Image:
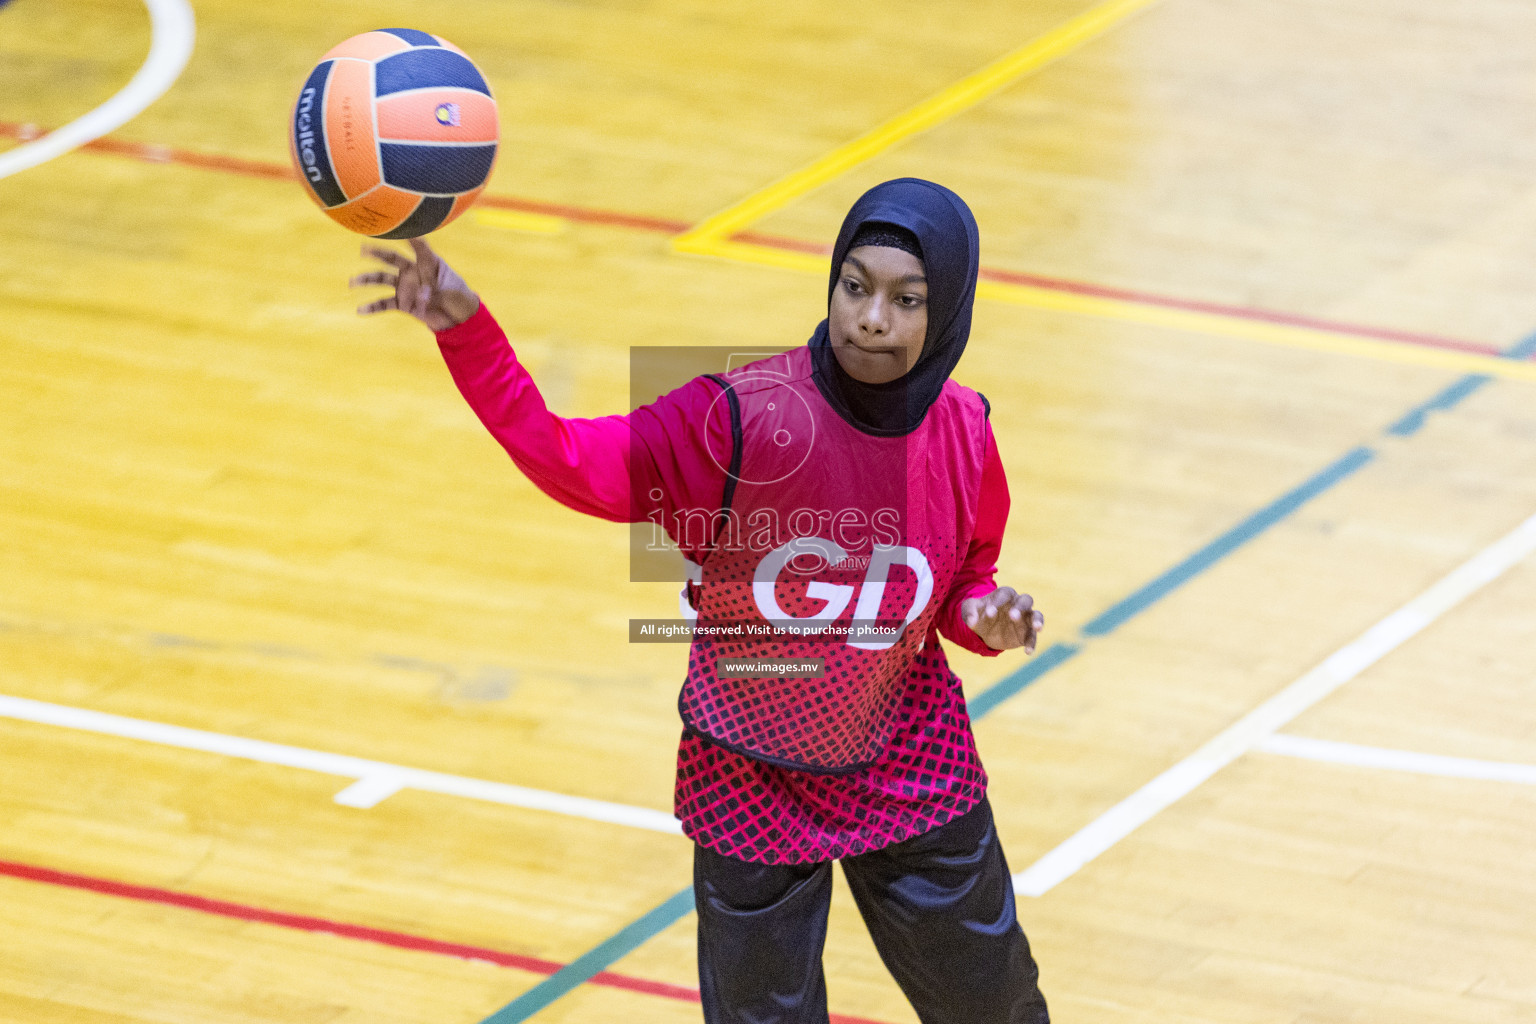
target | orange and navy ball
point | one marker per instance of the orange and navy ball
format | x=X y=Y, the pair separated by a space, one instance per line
x=394 y=133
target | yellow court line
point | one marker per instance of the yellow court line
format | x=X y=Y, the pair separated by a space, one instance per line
x=936 y=109
x=1289 y=336
x=713 y=236
x=1191 y=321
x=519 y=220
x=784 y=259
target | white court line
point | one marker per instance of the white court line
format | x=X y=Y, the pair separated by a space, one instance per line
x=174 y=28
x=1277 y=712
x=1398 y=760
x=376 y=780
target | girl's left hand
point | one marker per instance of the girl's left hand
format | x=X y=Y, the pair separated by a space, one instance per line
x=1004 y=619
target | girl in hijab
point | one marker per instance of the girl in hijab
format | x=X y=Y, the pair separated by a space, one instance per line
x=856 y=503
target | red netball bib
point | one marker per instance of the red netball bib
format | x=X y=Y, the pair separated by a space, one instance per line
x=826 y=571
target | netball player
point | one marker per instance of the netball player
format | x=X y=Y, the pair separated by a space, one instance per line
x=870 y=760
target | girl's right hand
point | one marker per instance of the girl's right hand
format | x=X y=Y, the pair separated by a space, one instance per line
x=426 y=288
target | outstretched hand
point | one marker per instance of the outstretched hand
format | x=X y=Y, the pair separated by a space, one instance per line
x=1004 y=619
x=426 y=287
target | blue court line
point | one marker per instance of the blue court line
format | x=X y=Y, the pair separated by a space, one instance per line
x=1031 y=670
x=1413 y=421
x=680 y=904
x=1144 y=597
x=1116 y=616
x=580 y=971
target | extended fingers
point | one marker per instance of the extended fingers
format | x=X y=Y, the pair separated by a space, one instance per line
x=389 y=256
x=422 y=250
x=375 y=277
x=378 y=307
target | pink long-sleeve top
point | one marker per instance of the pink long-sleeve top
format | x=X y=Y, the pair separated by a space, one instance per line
x=668 y=455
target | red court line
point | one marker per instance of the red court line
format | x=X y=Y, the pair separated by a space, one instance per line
x=279 y=171
x=780 y=242
x=662 y=225
x=1241 y=312
x=300 y=922
x=1149 y=299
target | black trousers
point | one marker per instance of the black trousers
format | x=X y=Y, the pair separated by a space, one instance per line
x=939 y=907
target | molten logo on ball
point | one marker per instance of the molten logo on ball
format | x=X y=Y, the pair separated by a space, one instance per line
x=306 y=134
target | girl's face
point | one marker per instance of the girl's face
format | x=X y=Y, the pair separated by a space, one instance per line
x=879 y=313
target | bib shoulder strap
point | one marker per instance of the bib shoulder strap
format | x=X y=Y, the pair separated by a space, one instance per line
x=734 y=473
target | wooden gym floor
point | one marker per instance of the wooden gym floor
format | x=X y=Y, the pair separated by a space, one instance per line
x=1254 y=274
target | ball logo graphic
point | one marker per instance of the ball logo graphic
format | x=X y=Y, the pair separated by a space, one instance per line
x=304 y=124
x=448 y=114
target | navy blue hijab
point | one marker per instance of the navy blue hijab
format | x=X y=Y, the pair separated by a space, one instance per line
x=951 y=257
